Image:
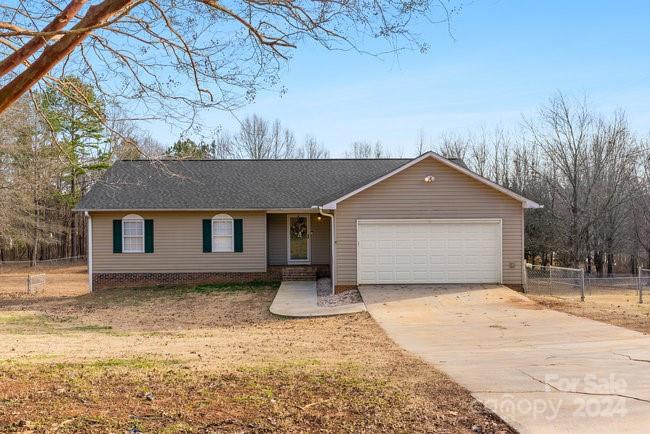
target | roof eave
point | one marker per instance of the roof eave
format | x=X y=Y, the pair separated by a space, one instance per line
x=300 y=209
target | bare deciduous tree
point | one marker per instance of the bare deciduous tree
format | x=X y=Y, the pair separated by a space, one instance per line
x=564 y=131
x=454 y=146
x=367 y=150
x=312 y=149
x=258 y=139
x=421 y=144
x=175 y=56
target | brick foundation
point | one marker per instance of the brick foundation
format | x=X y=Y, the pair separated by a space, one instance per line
x=134 y=280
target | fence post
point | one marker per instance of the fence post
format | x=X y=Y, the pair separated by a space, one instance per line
x=582 y=285
x=640 y=287
x=524 y=276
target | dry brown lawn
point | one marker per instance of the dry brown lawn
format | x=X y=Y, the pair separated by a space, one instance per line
x=60 y=281
x=213 y=359
x=621 y=309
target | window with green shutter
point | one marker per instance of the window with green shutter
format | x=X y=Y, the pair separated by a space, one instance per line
x=117 y=236
x=148 y=236
x=207 y=236
x=239 y=235
x=223 y=234
x=133 y=234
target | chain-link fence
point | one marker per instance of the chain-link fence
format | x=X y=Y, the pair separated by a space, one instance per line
x=624 y=286
x=555 y=281
x=55 y=277
x=572 y=283
x=17 y=266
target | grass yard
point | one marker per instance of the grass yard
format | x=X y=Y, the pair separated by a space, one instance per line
x=213 y=359
x=621 y=309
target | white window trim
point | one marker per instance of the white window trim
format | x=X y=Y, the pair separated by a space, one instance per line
x=132 y=218
x=223 y=218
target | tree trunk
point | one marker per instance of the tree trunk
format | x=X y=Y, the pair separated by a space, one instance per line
x=610 y=264
x=598 y=261
x=35 y=240
x=74 y=233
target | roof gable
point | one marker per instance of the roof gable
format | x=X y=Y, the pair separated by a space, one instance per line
x=526 y=203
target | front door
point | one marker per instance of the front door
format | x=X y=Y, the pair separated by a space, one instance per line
x=298 y=235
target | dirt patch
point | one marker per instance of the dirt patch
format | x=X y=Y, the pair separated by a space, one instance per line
x=522 y=303
x=180 y=361
x=619 y=310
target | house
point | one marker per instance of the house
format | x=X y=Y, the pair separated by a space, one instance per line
x=362 y=221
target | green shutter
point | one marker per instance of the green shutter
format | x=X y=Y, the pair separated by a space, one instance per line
x=239 y=235
x=148 y=236
x=207 y=236
x=117 y=236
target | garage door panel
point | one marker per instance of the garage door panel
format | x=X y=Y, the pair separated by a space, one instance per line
x=429 y=251
x=439 y=249
x=403 y=244
x=401 y=276
x=368 y=243
x=388 y=276
x=454 y=244
x=419 y=260
x=402 y=259
x=421 y=244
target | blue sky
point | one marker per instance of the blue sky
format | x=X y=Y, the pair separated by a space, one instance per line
x=506 y=58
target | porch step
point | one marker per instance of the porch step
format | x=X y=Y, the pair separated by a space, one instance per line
x=299 y=273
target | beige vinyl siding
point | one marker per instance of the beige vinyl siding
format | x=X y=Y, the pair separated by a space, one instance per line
x=320 y=239
x=406 y=196
x=178 y=244
x=277 y=239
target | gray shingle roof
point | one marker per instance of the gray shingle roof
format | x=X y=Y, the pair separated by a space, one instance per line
x=231 y=184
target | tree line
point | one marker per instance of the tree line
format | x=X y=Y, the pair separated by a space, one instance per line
x=590 y=171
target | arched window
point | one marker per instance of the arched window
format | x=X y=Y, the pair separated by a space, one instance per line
x=223 y=233
x=133 y=234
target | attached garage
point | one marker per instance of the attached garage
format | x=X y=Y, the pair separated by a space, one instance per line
x=429 y=221
x=429 y=251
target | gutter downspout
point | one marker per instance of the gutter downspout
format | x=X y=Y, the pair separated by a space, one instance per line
x=89 y=230
x=333 y=245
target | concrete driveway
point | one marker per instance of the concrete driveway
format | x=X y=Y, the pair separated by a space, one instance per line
x=540 y=370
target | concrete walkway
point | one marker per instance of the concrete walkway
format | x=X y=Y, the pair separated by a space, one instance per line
x=299 y=299
x=542 y=371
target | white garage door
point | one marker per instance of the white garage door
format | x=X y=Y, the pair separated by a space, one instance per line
x=428 y=251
